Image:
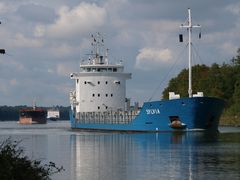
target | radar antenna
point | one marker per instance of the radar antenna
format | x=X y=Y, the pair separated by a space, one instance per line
x=98 y=44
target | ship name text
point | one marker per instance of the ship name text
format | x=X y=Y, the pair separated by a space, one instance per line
x=152 y=111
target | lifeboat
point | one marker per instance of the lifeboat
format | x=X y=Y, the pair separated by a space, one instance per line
x=177 y=124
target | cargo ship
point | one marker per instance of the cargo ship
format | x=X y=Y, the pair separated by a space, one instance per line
x=53 y=114
x=33 y=116
x=99 y=100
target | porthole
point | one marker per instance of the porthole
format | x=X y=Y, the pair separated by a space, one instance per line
x=98 y=82
x=98 y=95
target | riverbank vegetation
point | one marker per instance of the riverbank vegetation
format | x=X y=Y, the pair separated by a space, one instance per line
x=221 y=81
x=16 y=166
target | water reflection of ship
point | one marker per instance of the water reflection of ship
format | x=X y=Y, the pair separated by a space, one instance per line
x=136 y=156
x=36 y=146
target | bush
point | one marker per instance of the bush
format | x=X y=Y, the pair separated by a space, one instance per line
x=14 y=165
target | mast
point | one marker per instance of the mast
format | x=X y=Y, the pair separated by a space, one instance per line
x=2 y=51
x=98 y=44
x=189 y=27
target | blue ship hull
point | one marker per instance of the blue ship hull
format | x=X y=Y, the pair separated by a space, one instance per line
x=197 y=113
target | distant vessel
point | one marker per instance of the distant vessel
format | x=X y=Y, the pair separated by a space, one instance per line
x=53 y=114
x=33 y=116
x=99 y=100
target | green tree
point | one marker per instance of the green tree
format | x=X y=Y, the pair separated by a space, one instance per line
x=221 y=81
x=235 y=107
x=179 y=84
x=215 y=82
x=15 y=166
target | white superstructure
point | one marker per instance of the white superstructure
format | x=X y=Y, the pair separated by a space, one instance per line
x=53 y=114
x=99 y=86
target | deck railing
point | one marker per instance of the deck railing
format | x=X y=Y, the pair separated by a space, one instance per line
x=107 y=117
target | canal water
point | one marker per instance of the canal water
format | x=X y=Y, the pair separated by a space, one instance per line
x=122 y=156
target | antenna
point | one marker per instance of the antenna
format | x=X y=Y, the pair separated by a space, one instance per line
x=106 y=56
x=2 y=51
x=97 y=44
x=189 y=27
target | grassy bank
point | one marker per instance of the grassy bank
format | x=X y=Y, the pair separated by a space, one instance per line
x=230 y=121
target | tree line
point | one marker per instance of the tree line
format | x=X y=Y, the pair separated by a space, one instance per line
x=221 y=81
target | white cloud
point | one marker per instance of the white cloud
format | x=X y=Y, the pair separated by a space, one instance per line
x=234 y=8
x=229 y=48
x=81 y=19
x=39 y=31
x=64 y=89
x=63 y=70
x=4 y=8
x=3 y=87
x=51 y=71
x=60 y=50
x=13 y=82
x=21 y=41
x=225 y=41
x=149 y=58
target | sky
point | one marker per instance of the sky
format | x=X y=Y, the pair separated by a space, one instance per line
x=46 y=40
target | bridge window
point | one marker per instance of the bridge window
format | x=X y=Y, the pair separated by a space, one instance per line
x=82 y=69
x=114 y=69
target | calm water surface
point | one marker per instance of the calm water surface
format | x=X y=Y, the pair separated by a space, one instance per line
x=121 y=156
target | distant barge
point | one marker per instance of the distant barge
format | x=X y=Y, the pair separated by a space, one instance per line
x=33 y=116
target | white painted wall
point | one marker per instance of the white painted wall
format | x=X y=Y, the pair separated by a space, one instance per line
x=100 y=91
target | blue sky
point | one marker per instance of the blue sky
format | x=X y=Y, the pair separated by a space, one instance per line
x=46 y=40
